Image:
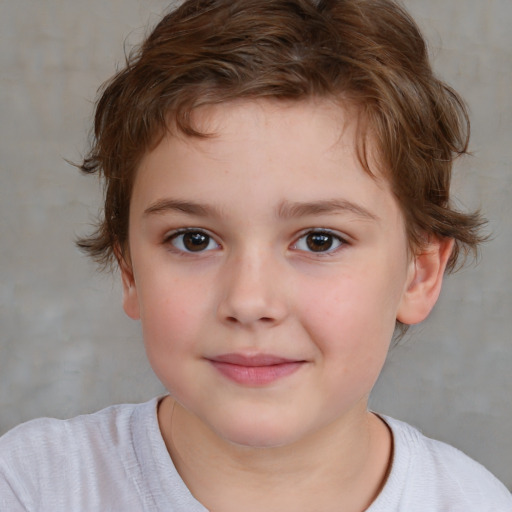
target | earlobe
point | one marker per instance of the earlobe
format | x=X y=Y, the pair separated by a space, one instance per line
x=424 y=281
x=130 y=297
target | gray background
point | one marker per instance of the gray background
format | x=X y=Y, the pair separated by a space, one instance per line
x=65 y=344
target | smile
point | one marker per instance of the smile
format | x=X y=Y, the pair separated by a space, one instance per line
x=255 y=370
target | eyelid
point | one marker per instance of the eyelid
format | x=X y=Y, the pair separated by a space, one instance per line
x=192 y=229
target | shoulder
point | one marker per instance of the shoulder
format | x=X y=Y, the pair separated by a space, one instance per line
x=46 y=458
x=50 y=437
x=426 y=471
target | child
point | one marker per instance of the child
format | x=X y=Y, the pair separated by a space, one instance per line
x=277 y=199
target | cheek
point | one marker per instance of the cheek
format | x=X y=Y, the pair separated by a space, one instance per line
x=172 y=315
x=172 y=325
x=351 y=323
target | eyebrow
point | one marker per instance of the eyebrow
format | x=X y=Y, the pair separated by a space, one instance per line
x=299 y=209
x=285 y=210
x=188 y=207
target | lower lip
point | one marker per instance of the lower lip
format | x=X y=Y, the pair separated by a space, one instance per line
x=256 y=375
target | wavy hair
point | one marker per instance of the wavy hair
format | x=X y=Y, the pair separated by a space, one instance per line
x=367 y=52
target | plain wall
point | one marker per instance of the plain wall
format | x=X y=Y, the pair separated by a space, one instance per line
x=66 y=346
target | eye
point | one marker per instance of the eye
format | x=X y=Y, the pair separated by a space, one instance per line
x=320 y=241
x=192 y=241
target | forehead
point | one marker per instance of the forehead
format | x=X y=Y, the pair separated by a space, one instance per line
x=271 y=151
x=322 y=121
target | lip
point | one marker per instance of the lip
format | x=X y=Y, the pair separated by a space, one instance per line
x=255 y=370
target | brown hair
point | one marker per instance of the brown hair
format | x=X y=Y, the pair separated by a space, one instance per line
x=369 y=52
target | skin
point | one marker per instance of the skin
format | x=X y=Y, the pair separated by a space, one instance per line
x=272 y=175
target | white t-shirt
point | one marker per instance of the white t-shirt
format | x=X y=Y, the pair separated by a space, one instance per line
x=116 y=461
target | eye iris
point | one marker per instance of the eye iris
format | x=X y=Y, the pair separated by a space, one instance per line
x=196 y=241
x=319 y=242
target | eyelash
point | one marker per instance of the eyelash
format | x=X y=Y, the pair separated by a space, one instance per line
x=171 y=237
x=332 y=237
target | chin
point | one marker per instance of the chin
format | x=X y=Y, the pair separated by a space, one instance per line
x=257 y=433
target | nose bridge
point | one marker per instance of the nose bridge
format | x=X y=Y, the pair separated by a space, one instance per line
x=252 y=292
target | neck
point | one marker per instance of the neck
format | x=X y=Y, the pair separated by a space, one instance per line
x=344 y=463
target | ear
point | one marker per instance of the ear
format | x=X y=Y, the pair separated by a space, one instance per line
x=130 y=297
x=424 y=281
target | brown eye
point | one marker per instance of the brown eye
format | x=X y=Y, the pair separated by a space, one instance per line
x=319 y=242
x=193 y=241
x=196 y=241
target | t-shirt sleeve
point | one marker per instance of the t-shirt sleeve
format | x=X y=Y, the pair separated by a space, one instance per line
x=35 y=470
x=84 y=463
x=431 y=476
x=15 y=469
x=11 y=498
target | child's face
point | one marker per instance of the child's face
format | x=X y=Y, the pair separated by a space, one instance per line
x=266 y=245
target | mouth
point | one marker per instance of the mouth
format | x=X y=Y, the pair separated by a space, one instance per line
x=255 y=370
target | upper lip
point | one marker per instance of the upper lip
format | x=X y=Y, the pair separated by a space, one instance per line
x=253 y=360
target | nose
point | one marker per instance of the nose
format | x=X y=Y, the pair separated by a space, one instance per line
x=253 y=291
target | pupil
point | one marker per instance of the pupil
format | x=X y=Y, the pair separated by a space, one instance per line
x=196 y=241
x=319 y=242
